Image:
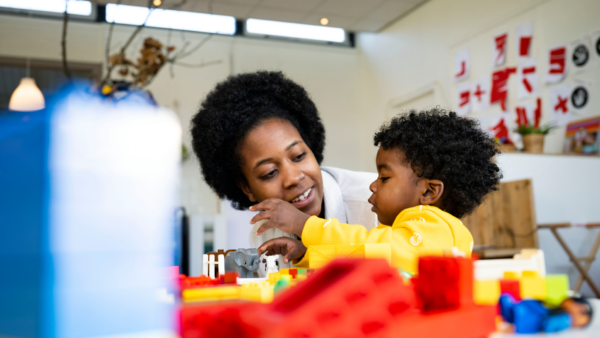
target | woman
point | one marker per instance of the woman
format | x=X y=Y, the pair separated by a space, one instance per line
x=259 y=136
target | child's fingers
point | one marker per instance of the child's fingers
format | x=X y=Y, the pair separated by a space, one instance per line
x=267 y=204
x=260 y=216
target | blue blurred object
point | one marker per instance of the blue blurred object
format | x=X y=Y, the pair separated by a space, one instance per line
x=87 y=198
x=507 y=307
x=556 y=323
x=529 y=315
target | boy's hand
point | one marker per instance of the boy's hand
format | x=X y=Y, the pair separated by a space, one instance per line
x=281 y=215
x=293 y=249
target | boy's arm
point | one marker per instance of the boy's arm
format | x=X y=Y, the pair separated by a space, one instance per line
x=411 y=235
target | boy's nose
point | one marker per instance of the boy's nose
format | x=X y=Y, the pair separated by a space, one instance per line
x=373 y=187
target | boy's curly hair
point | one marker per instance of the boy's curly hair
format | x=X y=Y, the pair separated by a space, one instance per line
x=235 y=107
x=438 y=144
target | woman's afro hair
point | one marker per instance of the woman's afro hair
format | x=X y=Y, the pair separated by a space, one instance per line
x=235 y=107
x=438 y=144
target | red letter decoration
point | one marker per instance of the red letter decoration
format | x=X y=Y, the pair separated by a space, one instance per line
x=501 y=132
x=524 y=39
x=461 y=65
x=500 y=86
x=560 y=105
x=464 y=99
x=528 y=114
x=528 y=80
x=557 y=64
x=480 y=94
x=500 y=49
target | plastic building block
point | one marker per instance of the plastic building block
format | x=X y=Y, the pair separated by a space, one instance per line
x=228 y=278
x=347 y=298
x=511 y=287
x=486 y=292
x=456 y=288
x=294 y=273
x=211 y=294
x=528 y=259
x=211 y=266
x=274 y=277
x=511 y=275
x=532 y=286
x=557 y=287
x=283 y=282
x=201 y=281
x=301 y=271
x=258 y=292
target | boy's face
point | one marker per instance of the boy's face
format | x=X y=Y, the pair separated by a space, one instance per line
x=397 y=187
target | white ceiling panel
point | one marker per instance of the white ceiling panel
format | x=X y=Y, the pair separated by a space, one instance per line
x=352 y=15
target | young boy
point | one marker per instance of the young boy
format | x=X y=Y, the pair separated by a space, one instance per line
x=434 y=167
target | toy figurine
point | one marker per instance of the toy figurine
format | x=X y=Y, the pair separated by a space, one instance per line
x=272 y=265
x=243 y=261
x=531 y=316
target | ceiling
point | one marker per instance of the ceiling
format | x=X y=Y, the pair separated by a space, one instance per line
x=352 y=15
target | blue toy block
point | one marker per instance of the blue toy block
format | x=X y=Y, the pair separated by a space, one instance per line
x=87 y=200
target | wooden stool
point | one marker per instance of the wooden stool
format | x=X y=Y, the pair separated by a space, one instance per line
x=583 y=270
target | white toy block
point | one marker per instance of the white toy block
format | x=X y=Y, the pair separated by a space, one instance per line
x=221 y=265
x=211 y=266
x=528 y=259
x=205 y=265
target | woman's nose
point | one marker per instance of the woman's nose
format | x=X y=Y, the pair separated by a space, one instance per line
x=292 y=177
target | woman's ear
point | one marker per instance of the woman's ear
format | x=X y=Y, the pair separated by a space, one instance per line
x=246 y=190
x=433 y=192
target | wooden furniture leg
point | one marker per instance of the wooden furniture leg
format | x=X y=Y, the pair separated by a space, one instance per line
x=574 y=260
x=590 y=258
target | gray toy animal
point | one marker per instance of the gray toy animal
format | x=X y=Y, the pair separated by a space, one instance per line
x=243 y=261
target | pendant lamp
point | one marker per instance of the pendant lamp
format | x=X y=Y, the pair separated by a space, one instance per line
x=27 y=96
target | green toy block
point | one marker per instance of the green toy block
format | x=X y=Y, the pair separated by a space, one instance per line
x=302 y=271
x=557 y=287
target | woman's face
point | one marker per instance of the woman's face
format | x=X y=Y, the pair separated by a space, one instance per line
x=278 y=164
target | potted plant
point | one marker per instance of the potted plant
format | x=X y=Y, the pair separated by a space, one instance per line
x=532 y=133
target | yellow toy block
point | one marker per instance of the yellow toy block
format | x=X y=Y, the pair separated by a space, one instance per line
x=532 y=286
x=258 y=292
x=511 y=275
x=486 y=292
x=211 y=294
x=379 y=250
x=285 y=271
x=349 y=251
x=557 y=288
x=274 y=277
x=320 y=255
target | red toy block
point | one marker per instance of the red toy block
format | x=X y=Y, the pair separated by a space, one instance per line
x=293 y=273
x=189 y=282
x=512 y=287
x=222 y=320
x=229 y=278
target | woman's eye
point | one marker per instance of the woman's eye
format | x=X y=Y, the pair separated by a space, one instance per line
x=269 y=175
x=299 y=157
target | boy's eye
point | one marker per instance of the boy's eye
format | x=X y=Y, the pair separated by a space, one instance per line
x=299 y=157
x=269 y=175
x=383 y=179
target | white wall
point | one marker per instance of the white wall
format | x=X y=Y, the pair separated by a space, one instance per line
x=328 y=74
x=416 y=54
x=418 y=50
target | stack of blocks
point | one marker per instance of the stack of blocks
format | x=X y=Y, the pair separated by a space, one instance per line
x=552 y=289
x=321 y=255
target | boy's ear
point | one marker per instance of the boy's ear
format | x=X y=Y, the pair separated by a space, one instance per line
x=246 y=191
x=433 y=192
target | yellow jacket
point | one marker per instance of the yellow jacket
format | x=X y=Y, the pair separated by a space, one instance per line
x=417 y=231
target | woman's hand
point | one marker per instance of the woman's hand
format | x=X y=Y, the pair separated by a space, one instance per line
x=292 y=249
x=280 y=215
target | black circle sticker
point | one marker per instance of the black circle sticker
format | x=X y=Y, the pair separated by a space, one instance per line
x=581 y=55
x=579 y=97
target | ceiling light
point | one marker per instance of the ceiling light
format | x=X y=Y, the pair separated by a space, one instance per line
x=324 y=21
x=55 y=6
x=27 y=97
x=157 y=3
x=295 y=30
x=164 y=18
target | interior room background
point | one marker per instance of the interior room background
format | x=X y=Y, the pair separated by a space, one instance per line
x=407 y=64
